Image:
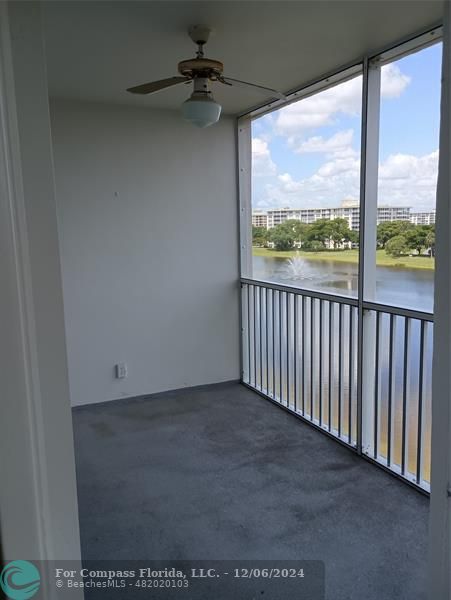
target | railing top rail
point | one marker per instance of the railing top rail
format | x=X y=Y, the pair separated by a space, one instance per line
x=300 y=291
x=399 y=311
x=375 y=306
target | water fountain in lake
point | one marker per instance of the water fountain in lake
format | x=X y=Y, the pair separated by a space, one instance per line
x=296 y=268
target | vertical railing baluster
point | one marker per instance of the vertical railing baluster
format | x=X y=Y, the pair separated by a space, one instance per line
x=267 y=339
x=404 y=395
x=320 y=376
x=287 y=319
x=249 y=333
x=376 y=389
x=420 y=406
x=340 y=363
x=303 y=355
x=280 y=347
x=295 y=351
x=260 y=316
x=254 y=303
x=273 y=308
x=312 y=329
x=390 y=389
x=331 y=338
x=350 y=374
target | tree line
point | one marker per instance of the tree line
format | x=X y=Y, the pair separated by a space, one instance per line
x=396 y=237
x=401 y=237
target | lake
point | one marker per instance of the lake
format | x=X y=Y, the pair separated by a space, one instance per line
x=409 y=288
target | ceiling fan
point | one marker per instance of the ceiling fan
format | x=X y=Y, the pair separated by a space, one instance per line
x=201 y=109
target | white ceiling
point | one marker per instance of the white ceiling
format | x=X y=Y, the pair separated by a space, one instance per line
x=97 y=49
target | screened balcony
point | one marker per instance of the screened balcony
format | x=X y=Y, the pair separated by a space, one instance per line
x=337 y=286
x=220 y=471
x=222 y=410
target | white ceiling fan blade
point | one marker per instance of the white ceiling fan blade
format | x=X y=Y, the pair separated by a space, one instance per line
x=258 y=88
x=156 y=86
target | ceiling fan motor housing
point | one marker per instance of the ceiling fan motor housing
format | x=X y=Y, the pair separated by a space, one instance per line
x=201 y=67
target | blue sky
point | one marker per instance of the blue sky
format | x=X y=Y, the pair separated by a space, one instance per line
x=308 y=153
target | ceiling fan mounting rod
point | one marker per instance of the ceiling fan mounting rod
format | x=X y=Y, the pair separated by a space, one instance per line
x=200 y=50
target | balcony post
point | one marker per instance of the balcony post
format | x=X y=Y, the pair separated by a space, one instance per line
x=245 y=193
x=367 y=253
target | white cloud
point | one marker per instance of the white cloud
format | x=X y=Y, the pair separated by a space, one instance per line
x=262 y=163
x=393 y=81
x=289 y=185
x=334 y=181
x=404 y=180
x=318 y=110
x=339 y=143
x=409 y=180
x=339 y=166
x=321 y=109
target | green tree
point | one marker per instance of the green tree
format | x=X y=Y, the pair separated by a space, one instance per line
x=339 y=232
x=260 y=236
x=416 y=237
x=287 y=234
x=314 y=245
x=282 y=238
x=332 y=231
x=297 y=228
x=353 y=237
x=390 y=229
x=430 y=241
x=396 y=246
x=319 y=232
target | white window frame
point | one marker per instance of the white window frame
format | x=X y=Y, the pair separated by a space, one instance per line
x=369 y=66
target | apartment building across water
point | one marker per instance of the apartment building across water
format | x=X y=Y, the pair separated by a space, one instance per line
x=349 y=211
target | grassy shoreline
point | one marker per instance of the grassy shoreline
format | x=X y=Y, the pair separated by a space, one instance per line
x=351 y=256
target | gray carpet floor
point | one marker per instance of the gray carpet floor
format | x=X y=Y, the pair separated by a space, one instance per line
x=220 y=473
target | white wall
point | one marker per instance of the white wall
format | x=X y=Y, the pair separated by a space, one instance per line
x=147 y=209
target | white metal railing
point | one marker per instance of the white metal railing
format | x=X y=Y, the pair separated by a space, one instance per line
x=301 y=349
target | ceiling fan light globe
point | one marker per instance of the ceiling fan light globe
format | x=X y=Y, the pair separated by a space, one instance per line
x=201 y=110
